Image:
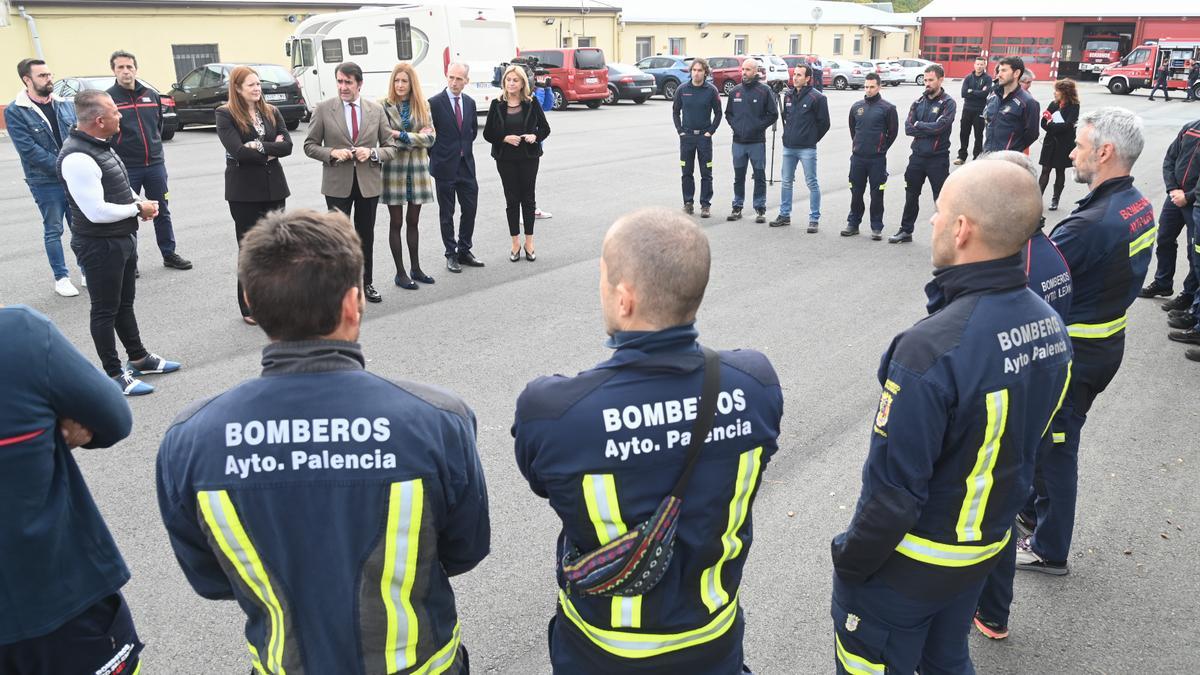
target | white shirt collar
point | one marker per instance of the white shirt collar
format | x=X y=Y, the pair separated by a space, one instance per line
x=355 y=102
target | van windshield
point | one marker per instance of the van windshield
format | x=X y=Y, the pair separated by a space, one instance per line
x=589 y=59
x=1101 y=46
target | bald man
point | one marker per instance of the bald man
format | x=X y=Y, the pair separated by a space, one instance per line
x=985 y=370
x=606 y=447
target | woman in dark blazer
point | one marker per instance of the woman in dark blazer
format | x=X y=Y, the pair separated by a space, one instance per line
x=516 y=127
x=1059 y=140
x=255 y=137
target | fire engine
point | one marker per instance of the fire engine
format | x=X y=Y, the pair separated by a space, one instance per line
x=1138 y=68
x=1101 y=50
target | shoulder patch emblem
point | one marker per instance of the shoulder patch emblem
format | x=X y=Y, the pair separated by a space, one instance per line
x=936 y=109
x=860 y=111
x=886 y=397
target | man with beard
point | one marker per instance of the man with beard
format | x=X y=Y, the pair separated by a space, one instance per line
x=1017 y=119
x=930 y=121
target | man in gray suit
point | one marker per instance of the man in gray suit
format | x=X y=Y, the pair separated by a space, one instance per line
x=350 y=136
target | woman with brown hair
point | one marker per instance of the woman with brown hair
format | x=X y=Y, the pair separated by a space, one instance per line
x=1059 y=122
x=406 y=179
x=255 y=137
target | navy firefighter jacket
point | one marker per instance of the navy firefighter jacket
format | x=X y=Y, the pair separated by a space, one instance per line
x=874 y=126
x=333 y=505
x=1107 y=242
x=1015 y=123
x=1049 y=275
x=967 y=395
x=606 y=446
x=929 y=122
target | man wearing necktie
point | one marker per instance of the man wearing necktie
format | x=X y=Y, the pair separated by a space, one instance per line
x=351 y=138
x=452 y=164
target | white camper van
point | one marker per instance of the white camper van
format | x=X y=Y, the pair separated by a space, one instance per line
x=429 y=35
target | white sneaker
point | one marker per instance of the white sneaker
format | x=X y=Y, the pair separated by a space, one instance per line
x=65 y=288
x=82 y=280
x=539 y=214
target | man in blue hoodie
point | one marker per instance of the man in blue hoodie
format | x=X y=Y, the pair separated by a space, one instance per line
x=805 y=123
x=750 y=110
x=60 y=571
x=873 y=128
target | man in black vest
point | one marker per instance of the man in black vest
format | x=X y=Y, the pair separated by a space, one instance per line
x=104 y=217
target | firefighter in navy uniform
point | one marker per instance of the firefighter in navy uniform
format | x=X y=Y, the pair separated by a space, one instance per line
x=334 y=505
x=1181 y=168
x=605 y=447
x=930 y=122
x=1015 y=121
x=976 y=87
x=968 y=392
x=873 y=128
x=1106 y=241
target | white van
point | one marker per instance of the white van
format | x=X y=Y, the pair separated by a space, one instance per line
x=429 y=35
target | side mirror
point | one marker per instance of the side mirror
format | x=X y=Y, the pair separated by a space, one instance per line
x=175 y=85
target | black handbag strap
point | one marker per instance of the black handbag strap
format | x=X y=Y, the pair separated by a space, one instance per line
x=704 y=418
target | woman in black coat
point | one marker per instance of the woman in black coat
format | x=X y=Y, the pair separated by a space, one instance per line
x=255 y=137
x=516 y=127
x=1060 y=137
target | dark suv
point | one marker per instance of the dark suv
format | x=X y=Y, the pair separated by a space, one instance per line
x=199 y=94
x=68 y=87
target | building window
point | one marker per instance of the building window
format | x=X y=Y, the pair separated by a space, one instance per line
x=585 y=41
x=857 y=44
x=356 y=45
x=794 y=44
x=331 y=51
x=907 y=43
x=739 y=44
x=676 y=46
x=566 y=43
x=189 y=57
x=642 y=47
x=837 y=44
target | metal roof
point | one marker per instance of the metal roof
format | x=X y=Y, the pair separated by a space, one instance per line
x=1092 y=9
x=793 y=13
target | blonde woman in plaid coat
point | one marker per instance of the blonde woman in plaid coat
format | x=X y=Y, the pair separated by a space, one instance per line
x=406 y=179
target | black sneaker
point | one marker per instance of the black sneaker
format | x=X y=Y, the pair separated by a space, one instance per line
x=1155 y=289
x=1181 y=301
x=850 y=231
x=1181 y=319
x=900 y=237
x=760 y=216
x=688 y=209
x=781 y=221
x=813 y=227
x=1190 y=336
x=176 y=262
x=735 y=214
x=1192 y=354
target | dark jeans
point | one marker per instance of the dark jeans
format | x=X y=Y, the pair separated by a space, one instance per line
x=466 y=190
x=1163 y=86
x=1171 y=221
x=245 y=216
x=972 y=120
x=153 y=179
x=364 y=222
x=693 y=146
x=110 y=264
x=920 y=169
x=755 y=155
x=102 y=638
x=862 y=171
x=519 y=179
x=51 y=201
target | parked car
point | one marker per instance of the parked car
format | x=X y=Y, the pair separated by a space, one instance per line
x=577 y=75
x=67 y=87
x=668 y=72
x=914 y=69
x=726 y=72
x=628 y=82
x=890 y=73
x=776 y=70
x=845 y=74
x=200 y=92
x=793 y=60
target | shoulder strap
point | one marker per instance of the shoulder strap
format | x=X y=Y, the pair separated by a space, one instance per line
x=704 y=419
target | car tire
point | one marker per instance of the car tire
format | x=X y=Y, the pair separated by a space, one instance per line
x=728 y=88
x=179 y=127
x=640 y=100
x=613 y=96
x=840 y=82
x=168 y=135
x=1118 y=86
x=292 y=126
x=594 y=103
x=668 y=89
x=560 y=99
x=920 y=80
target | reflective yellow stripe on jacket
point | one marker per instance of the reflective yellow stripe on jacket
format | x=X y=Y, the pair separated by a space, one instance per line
x=600 y=495
x=712 y=592
x=1097 y=330
x=222 y=519
x=855 y=664
x=1144 y=241
x=644 y=645
x=406 y=502
x=980 y=480
x=948 y=555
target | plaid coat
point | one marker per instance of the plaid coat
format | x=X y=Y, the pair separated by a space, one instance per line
x=406 y=178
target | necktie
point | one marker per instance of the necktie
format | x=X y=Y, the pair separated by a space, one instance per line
x=353 y=124
x=458 y=113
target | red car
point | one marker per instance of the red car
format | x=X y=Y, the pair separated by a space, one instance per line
x=727 y=72
x=794 y=60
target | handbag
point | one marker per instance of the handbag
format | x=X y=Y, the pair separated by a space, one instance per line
x=634 y=563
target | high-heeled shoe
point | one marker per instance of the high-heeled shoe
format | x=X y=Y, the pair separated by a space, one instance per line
x=418 y=275
x=406 y=283
x=529 y=255
x=515 y=256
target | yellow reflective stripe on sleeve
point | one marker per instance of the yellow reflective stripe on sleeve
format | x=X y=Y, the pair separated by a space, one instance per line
x=444 y=658
x=883 y=186
x=254 y=660
x=1097 y=330
x=712 y=592
x=1061 y=397
x=980 y=480
x=709 y=165
x=600 y=495
x=855 y=664
x=227 y=530
x=644 y=645
x=948 y=555
x=1144 y=241
x=405 y=505
x=1058 y=437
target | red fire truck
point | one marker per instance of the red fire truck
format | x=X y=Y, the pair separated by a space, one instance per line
x=1101 y=50
x=1137 y=69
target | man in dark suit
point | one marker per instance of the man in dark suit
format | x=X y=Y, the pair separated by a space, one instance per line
x=452 y=164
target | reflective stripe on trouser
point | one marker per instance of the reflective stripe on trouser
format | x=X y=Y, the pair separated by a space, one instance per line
x=1061 y=397
x=604 y=510
x=644 y=645
x=980 y=480
x=855 y=664
x=1144 y=241
x=405 y=504
x=226 y=529
x=712 y=592
x=948 y=555
x=1095 y=331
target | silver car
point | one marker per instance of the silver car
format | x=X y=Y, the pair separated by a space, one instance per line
x=841 y=74
x=890 y=73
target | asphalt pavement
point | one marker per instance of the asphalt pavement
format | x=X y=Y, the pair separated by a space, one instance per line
x=822 y=307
